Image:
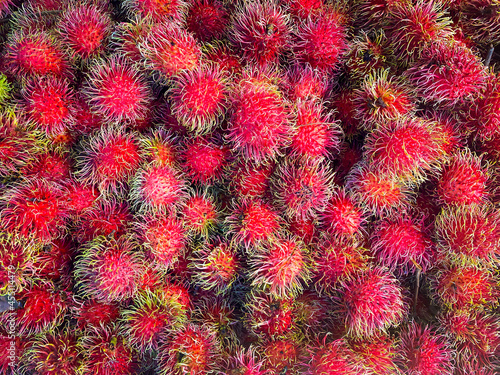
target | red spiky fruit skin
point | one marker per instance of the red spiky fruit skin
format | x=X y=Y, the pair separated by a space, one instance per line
x=50 y=167
x=159 y=148
x=303 y=190
x=312 y=315
x=108 y=269
x=79 y=198
x=343 y=103
x=91 y=314
x=321 y=40
x=381 y=98
x=259 y=124
x=207 y=19
x=199 y=98
x=304 y=8
x=305 y=229
x=157 y=189
x=106 y=352
x=168 y=50
x=16 y=263
x=34 y=209
x=480 y=19
x=53 y=262
x=424 y=352
x=4 y=7
x=280 y=354
x=405 y=148
x=484 y=111
x=372 y=302
x=413 y=26
x=376 y=355
x=164 y=239
x=342 y=216
x=403 y=245
x=85 y=29
x=251 y=181
x=281 y=267
x=35 y=54
x=11 y=349
x=14 y=145
x=466 y=288
x=189 y=350
x=200 y=214
x=315 y=133
x=268 y=316
x=205 y=160
x=304 y=83
x=261 y=32
x=217 y=314
x=469 y=235
x=108 y=159
x=253 y=222
x=217 y=265
x=104 y=219
x=375 y=12
x=49 y=104
x=54 y=354
x=43 y=310
x=157 y=10
x=447 y=73
x=463 y=180
x=333 y=358
x=116 y=90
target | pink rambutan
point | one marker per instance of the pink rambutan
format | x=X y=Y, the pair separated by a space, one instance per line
x=281 y=355
x=221 y=54
x=423 y=352
x=251 y=181
x=91 y=314
x=303 y=190
x=205 y=160
x=302 y=9
x=269 y=316
x=320 y=40
x=34 y=209
x=207 y=19
x=342 y=216
x=216 y=265
x=48 y=104
x=48 y=166
x=200 y=213
x=448 y=131
x=85 y=121
x=403 y=245
x=115 y=90
x=108 y=269
x=128 y=35
x=253 y=222
x=303 y=83
x=169 y=50
x=108 y=159
x=157 y=10
x=55 y=353
x=244 y=363
x=35 y=54
x=159 y=148
x=406 y=148
x=281 y=267
x=157 y=189
x=199 y=98
x=376 y=355
x=372 y=301
x=190 y=350
x=333 y=358
x=84 y=28
x=375 y=13
x=306 y=229
x=381 y=98
x=447 y=73
x=345 y=111
x=259 y=124
x=79 y=197
x=469 y=234
x=315 y=133
x=484 y=111
x=164 y=240
x=466 y=288
x=261 y=31
x=464 y=180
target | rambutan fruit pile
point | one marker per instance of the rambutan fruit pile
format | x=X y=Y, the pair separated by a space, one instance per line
x=249 y=187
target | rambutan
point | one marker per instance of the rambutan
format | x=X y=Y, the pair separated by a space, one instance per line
x=312 y=315
x=253 y=222
x=79 y=197
x=16 y=263
x=91 y=314
x=281 y=355
x=381 y=98
x=345 y=110
x=222 y=55
x=302 y=83
x=281 y=268
x=159 y=148
x=199 y=98
x=305 y=229
x=447 y=73
x=261 y=31
x=303 y=190
x=48 y=103
x=464 y=180
x=204 y=160
x=54 y=260
x=372 y=302
x=128 y=35
x=34 y=209
x=84 y=28
x=480 y=20
x=108 y=159
x=200 y=213
x=315 y=133
x=376 y=355
x=4 y=7
x=157 y=10
x=108 y=269
x=269 y=316
x=116 y=90
x=169 y=50
x=484 y=112
x=251 y=181
x=244 y=363
x=342 y=216
x=188 y=350
x=320 y=40
x=302 y=9
x=259 y=124
x=333 y=358
x=424 y=352
x=207 y=19
x=49 y=166
x=15 y=147
x=156 y=188
x=403 y=245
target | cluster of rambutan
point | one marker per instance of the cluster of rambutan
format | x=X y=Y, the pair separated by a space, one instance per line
x=249 y=187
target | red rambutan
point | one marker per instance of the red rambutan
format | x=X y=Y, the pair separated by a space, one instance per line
x=16 y=263
x=157 y=10
x=91 y=314
x=204 y=160
x=303 y=83
x=333 y=358
x=342 y=216
x=269 y=316
x=302 y=9
x=207 y=19
x=200 y=214
x=54 y=260
x=159 y=148
x=244 y=363
x=480 y=19
x=251 y=181
x=485 y=111
x=281 y=355
x=376 y=355
x=79 y=197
